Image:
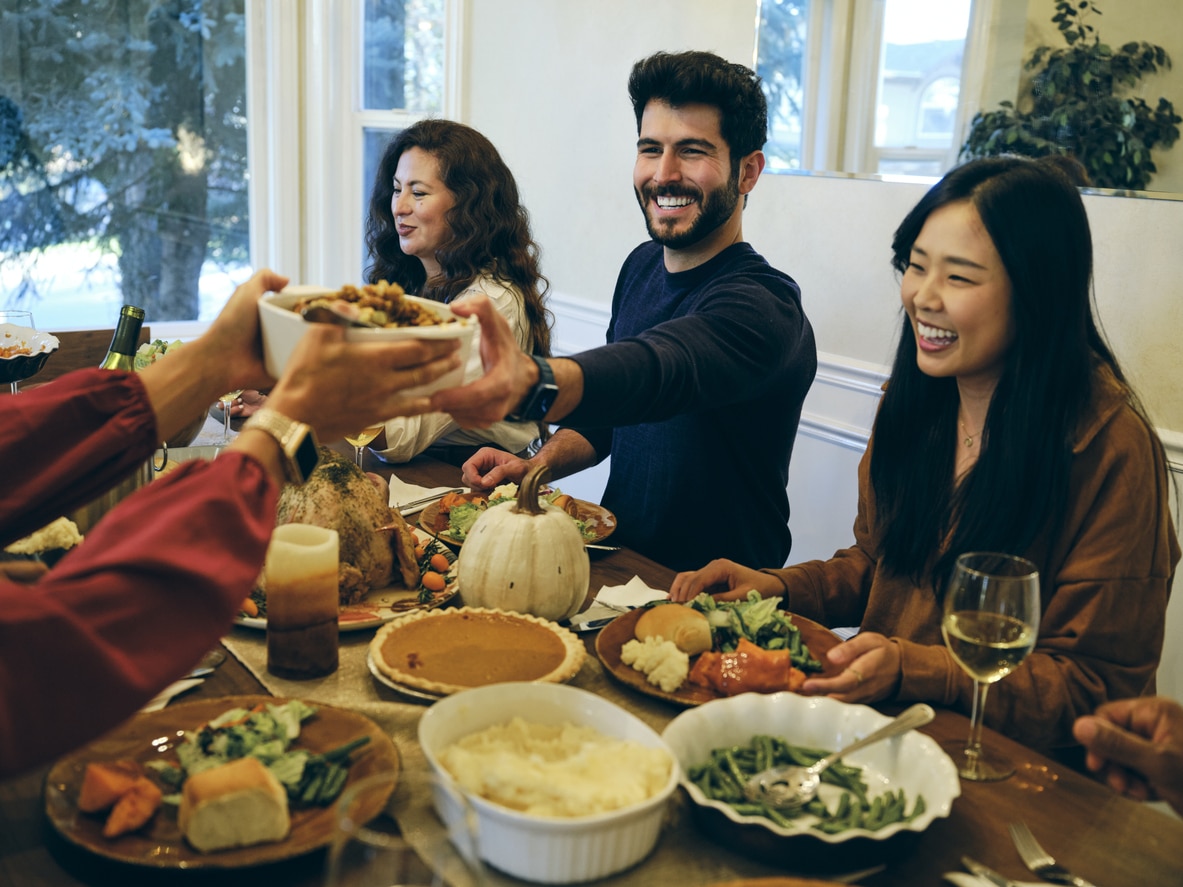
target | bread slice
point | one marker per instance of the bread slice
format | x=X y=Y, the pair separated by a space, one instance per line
x=234 y=805
x=684 y=625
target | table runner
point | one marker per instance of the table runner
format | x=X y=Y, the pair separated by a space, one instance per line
x=677 y=859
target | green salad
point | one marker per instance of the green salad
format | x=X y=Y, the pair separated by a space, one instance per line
x=265 y=732
x=759 y=620
x=462 y=516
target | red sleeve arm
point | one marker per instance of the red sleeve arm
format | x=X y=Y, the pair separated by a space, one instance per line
x=155 y=584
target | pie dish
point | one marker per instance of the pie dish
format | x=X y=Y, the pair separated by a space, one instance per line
x=446 y=651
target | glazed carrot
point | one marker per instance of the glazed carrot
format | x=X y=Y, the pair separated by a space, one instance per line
x=249 y=607
x=439 y=563
x=133 y=809
x=434 y=581
x=104 y=782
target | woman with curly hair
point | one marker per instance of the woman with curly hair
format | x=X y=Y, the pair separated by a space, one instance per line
x=446 y=223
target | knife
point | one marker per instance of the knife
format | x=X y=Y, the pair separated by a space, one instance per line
x=984 y=871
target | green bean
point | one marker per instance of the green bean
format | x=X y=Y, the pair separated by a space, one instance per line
x=723 y=777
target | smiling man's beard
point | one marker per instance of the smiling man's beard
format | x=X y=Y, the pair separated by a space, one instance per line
x=714 y=210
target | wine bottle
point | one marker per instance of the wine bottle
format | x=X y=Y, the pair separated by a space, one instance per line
x=122 y=351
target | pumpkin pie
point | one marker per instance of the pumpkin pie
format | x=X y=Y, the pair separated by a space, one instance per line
x=446 y=651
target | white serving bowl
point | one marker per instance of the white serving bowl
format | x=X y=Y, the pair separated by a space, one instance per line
x=283 y=328
x=546 y=850
x=23 y=366
x=913 y=762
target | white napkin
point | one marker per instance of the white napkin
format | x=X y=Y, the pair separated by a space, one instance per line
x=166 y=695
x=612 y=600
x=401 y=491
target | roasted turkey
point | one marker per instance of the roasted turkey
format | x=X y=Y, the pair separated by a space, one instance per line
x=340 y=496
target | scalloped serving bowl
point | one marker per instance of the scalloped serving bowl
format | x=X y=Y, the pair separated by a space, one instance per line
x=282 y=328
x=913 y=762
x=542 y=849
x=23 y=366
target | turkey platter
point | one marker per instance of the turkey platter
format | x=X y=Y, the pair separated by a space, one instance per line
x=340 y=496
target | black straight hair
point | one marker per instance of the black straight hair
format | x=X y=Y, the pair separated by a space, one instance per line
x=1035 y=217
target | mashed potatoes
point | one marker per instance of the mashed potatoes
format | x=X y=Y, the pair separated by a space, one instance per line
x=662 y=663
x=556 y=770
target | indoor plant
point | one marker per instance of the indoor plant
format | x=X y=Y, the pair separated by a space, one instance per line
x=1076 y=101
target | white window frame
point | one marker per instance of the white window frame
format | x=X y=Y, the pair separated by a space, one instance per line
x=305 y=128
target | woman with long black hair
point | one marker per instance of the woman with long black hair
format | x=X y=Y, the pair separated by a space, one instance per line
x=1007 y=425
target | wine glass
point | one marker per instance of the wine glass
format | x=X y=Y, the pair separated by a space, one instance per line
x=17 y=318
x=362 y=438
x=227 y=400
x=990 y=624
x=370 y=851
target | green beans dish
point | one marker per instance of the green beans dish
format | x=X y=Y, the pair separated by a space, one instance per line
x=722 y=778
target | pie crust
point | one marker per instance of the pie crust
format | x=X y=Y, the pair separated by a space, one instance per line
x=448 y=650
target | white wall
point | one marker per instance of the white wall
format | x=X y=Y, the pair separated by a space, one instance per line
x=547 y=82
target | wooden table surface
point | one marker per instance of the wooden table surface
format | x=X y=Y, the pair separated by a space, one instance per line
x=1105 y=838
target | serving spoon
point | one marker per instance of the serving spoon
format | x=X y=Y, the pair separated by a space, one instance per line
x=330 y=314
x=792 y=787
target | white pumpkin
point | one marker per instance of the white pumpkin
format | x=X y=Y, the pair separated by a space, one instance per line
x=527 y=557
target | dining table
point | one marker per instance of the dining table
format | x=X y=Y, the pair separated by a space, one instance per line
x=1109 y=839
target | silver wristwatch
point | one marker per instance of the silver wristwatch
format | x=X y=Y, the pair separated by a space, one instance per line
x=297 y=441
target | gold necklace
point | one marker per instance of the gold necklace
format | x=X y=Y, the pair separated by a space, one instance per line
x=969 y=438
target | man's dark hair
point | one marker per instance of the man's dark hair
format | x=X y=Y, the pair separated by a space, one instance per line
x=684 y=78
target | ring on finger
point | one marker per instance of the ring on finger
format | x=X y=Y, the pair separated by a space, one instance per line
x=858 y=676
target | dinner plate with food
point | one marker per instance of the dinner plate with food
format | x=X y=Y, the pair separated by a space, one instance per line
x=452 y=517
x=705 y=649
x=430 y=654
x=171 y=789
x=386 y=567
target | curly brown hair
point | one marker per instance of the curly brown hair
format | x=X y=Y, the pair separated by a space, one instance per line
x=490 y=228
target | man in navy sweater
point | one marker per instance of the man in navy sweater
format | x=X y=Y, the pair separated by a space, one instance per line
x=698 y=394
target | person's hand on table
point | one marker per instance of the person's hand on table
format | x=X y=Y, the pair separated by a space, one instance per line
x=726 y=581
x=489 y=467
x=1136 y=745
x=870 y=666
x=245 y=405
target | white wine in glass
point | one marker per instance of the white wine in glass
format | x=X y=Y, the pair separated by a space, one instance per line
x=227 y=401
x=361 y=439
x=991 y=621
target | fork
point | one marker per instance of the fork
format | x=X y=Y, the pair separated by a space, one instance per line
x=1039 y=860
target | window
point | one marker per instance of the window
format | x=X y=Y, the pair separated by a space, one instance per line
x=918 y=86
x=403 y=79
x=123 y=159
x=781 y=59
x=124 y=145
x=862 y=85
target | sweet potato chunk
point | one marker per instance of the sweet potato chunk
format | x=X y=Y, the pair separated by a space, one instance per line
x=134 y=808
x=104 y=782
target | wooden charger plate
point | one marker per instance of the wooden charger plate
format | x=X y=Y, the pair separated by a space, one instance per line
x=621 y=630
x=159 y=844
x=598 y=520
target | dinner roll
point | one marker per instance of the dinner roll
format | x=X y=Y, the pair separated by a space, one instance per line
x=685 y=626
x=233 y=805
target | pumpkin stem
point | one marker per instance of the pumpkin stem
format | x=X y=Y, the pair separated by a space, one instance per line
x=528 y=490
